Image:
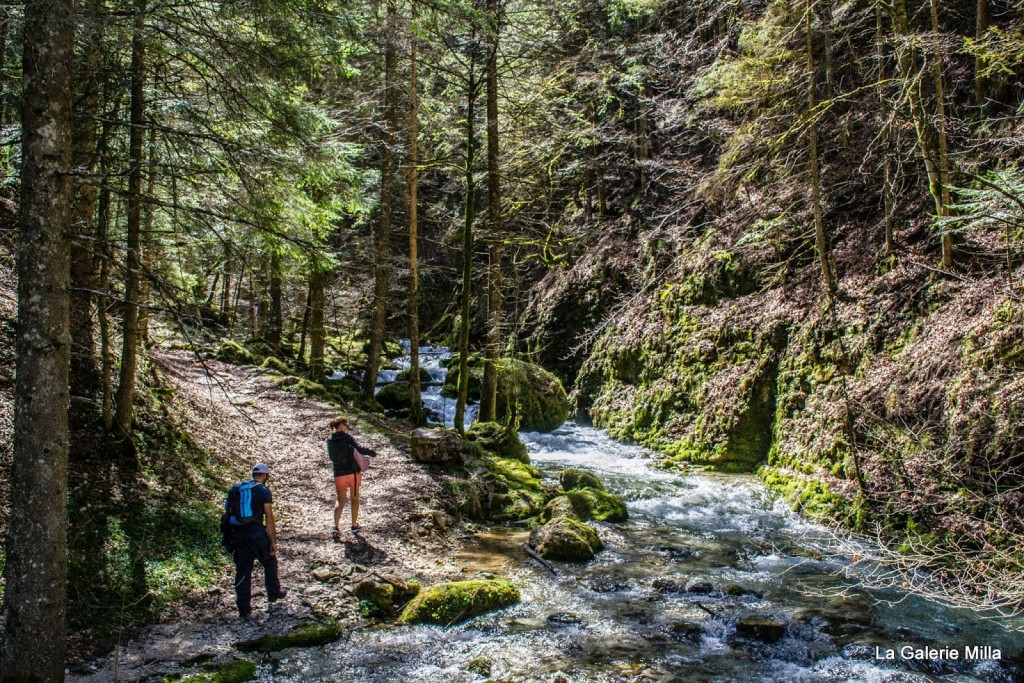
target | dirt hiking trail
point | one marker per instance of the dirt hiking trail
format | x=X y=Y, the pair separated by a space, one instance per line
x=239 y=413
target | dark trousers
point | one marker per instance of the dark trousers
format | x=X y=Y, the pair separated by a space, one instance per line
x=250 y=547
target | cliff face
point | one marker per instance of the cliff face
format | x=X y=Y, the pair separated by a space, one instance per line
x=692 y=316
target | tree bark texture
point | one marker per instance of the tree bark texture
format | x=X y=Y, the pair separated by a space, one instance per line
x=381 y=268
x=275 y=320
x=316 y=325
x=36 y=568
x=133 y=261
x=489 y=384
x=418 y=417
x=821 y=240
x=467 y=254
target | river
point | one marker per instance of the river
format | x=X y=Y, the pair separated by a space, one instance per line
x=638 y=612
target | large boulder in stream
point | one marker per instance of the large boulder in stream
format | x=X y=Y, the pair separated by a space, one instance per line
x=566 y=539
x=760 y=627
x=498 y=439
x=579 y=479
x=396 y=398
x=585 y=505
x=447 y=604
x=528 y=395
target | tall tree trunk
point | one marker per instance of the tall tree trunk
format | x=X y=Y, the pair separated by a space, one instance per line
x=275 y=321
x=381 y=264
x=150 y=245
x=980 y=28
x=418 y=418
x=225 y=295
x=489 y=384
x=85 y=376
x=102 y=232
x=467 y=254
x=938 y=66
x=36 y=568
x=4 y=28
x=888 y=195
x=821 y=241
x=305 y=324
x=133 y=263
x=316 y=325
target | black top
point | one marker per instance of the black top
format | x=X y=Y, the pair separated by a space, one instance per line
x=339 y=450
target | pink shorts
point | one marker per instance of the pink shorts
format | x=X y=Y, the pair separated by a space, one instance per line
x=348 y=481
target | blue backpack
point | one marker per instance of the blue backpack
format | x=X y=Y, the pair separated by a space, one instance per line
x=239 y=506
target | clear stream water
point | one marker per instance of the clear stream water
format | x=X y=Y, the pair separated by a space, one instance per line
x=613 y=623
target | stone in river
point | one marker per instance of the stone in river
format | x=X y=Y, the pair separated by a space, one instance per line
x=565 y=619
x=668 y=586
x=759 y=627
x=700 y=588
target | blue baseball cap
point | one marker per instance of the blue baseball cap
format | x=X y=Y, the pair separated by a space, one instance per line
x=260 y=468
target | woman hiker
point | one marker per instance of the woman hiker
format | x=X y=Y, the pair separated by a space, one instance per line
x=340 y=447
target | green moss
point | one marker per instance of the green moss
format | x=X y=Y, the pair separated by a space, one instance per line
x=230 y=351
x=310 y=634
x=404 y=375
x=808 y=496
x=305 y=387
x=529 y=397
x=277 y=365
x=235 y=671
x=450 y=603
x=586 y=505
x=579 y=479
x=395 y=396
x=498 y=439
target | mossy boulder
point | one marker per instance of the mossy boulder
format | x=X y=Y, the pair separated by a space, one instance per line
x=566 y=539
x=308 y=388
x=528 y=395
x=230 y=351
x=579 y=479
x=512 y=490
x=395 y=397
x=587 y=504
x=531 y=397
x=276 y=365
x=309 y=634
x=499 y=439
x=447 y=604
x=235 y=671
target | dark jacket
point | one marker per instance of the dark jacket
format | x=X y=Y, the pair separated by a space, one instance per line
x=339 y=450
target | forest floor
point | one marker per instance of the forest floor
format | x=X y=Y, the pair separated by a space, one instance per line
x=237 y=411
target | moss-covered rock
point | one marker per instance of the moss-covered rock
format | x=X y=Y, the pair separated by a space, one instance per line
x=585 y=505
x=513 y=490
x=276 y=365
x=395 y=397
x=305 y=387
x=235 y=671
x=380 y=596
x=566 y=539
x=309 y=634
x=230 y=351
x=450 y=603
x=579 y=479
x=529 y=396
x=499 y=439
x=481 y=666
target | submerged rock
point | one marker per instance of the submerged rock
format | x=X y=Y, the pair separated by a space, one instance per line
x=309 y=634
x=700 y=588
x=451 y=603
x=689 y=631
x=566 y=539
x=760 y=627
x=565 y=619
x=668 y=586
x=481 y=666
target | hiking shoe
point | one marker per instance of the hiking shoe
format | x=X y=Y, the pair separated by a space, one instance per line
x=279 y=596
x=356 y=527
x=336 y=534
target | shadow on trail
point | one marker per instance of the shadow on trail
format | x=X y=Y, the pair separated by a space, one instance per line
x=358 y=549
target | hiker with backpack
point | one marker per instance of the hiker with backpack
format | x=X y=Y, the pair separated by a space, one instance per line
x=349 y=460
x=244 y=535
